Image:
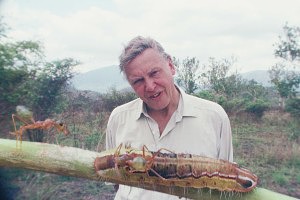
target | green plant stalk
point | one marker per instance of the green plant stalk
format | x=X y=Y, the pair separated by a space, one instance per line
x=70 y=161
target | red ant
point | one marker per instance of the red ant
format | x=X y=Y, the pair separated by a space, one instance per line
x=26 y=116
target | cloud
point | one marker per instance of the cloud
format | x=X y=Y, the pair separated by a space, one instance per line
x=94 y=32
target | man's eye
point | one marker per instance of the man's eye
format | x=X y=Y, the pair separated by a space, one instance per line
x=154 y=73
x=136 y=81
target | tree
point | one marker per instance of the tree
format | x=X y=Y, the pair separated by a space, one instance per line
x=48 y=87
x=17 y=61
x=286 y=82
x=284 y=74
x=288 y=46
x=45 y=91
x=187 y=74
x=27 y=79
x=216 y=77
x=234 y=93
x=253 y=91
x=3 y=28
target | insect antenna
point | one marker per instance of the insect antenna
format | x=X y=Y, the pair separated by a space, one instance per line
x=116 y=155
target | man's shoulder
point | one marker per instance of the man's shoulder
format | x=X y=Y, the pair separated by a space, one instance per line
x=198 y=105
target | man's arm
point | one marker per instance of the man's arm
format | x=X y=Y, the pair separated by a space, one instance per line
x=110 y=143
x=226 y=147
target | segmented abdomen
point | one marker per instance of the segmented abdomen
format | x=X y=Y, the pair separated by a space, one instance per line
x=219 y=172
x=187 y=165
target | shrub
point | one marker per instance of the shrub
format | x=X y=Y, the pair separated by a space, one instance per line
x=257 y=108
x=293 y=107
x=114 y=98
x=230 y=105
x=204 y=94
x=280 y=178
x=294 y=129
x=233 y=105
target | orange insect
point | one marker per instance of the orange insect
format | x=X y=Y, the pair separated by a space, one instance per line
x=182 y=170
x=26 y=116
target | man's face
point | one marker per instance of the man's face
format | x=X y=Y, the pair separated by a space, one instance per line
x=151 y=77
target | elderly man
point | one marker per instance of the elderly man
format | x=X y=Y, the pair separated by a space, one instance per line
x=164 y=116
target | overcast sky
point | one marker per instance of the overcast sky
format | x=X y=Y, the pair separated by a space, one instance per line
x=95 y=31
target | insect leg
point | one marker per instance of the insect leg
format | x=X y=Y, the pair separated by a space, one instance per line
x=116 y=160
x=151 y=161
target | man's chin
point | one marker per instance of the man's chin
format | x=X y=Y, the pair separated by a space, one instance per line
x=155 y=107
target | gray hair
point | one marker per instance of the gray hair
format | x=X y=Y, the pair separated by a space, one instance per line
x=137 y=46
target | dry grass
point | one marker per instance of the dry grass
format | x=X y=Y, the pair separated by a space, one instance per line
x=265 y=147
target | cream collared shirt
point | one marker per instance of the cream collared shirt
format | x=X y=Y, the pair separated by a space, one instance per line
x=198 y=127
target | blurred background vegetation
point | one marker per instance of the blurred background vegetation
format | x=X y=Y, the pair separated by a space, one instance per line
x=265 y=120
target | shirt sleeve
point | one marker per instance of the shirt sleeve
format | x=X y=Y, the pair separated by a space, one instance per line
x=226 y=148
x=110 y=139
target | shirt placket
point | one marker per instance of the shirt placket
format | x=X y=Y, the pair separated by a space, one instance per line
x=154 y=129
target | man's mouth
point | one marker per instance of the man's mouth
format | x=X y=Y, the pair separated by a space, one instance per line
x=155 y=95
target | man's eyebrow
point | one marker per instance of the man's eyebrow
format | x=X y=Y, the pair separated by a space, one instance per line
x=153 y=70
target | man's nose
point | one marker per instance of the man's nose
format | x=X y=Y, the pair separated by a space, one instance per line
x=149 y=85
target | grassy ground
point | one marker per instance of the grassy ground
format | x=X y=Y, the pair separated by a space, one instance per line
x=25 y=184
x=269 y=147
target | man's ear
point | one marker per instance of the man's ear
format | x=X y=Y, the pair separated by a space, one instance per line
x=171 y=65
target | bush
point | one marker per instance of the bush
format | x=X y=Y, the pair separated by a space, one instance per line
x=257 y=108
x=114 y=98
x=294 y=129
x=232 y=106
x=204 y=94
x=293 y=107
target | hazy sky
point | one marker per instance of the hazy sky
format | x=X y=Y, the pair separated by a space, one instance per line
x=94 y=31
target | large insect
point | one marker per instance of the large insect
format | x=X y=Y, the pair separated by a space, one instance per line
x=26 y=117
x=183 y=170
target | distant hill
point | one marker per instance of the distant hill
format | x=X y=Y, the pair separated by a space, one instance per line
x=102 y=79
x=260 y=76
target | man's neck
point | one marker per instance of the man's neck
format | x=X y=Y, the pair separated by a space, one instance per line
x=163 y=116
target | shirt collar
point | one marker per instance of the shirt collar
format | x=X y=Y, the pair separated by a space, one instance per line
x=188 y=109
x=141 y=109
x=184 y=108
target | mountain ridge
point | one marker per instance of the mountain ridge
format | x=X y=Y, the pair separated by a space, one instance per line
x=100 y=79
x=104 y=78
